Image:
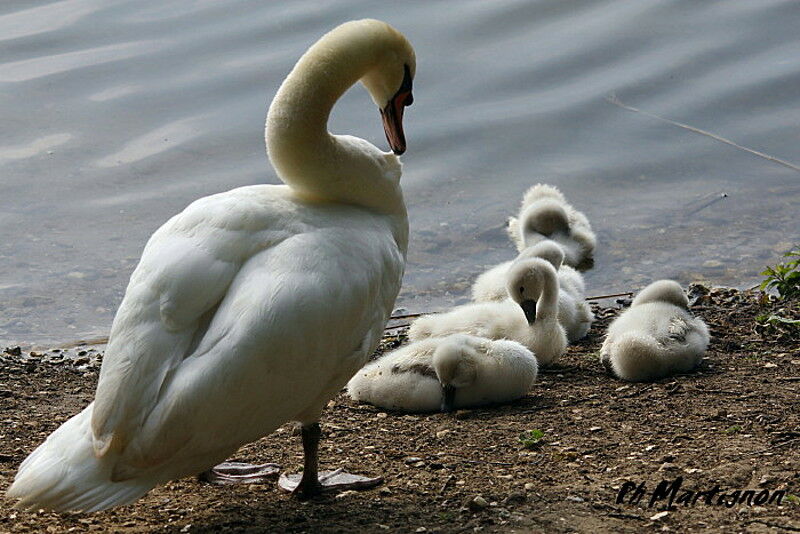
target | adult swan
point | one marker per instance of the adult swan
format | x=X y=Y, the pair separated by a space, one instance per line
x=253 y=307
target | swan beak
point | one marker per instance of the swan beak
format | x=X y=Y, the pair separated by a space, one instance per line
x=529 y=307
x=448 y=397
x=392 y=114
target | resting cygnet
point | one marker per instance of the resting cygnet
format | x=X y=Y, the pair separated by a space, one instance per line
x=574 y=313
x=446 y=373
x=546 y=214
x=656 y=337
x=529 y=317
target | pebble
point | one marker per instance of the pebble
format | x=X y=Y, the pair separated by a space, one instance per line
x=442 y=433
x=659 y=515
x=478 y=503
x=345 y=494
x=529 y=486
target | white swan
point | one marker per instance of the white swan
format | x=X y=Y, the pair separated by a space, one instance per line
x=546 y=214
x=529 y=316
x=457 y=371
x=253 y=307
x=656 y=337
x=574 y=313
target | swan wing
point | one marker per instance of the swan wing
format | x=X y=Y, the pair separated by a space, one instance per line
x=283 y=318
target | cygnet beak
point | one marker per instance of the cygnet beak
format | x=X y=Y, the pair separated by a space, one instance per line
x=529 y=307
x=392 y=115
x=448 y=397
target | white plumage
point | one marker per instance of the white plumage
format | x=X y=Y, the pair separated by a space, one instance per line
x=414 y=377
x=656 y=337
x=546 y=214
x=252 y=307
x=574 y=313
x=529 y=316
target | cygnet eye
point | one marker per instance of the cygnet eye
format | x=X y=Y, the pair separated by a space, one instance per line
x=521 y=290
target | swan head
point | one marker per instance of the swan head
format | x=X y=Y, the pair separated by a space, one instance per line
x=526 y=281
x=549 y=251
x=455 y=363
x=390 y=83
x=668 y=291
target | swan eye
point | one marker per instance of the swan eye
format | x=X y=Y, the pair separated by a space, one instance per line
x=521 y=290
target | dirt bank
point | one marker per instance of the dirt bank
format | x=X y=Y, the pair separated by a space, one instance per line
x=735 y=423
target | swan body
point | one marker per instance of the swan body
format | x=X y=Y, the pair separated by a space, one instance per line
x=574 y=313
x=529 y=316
x=420 y=376
x=546 y=214
x=656 y=337
x=225 y=330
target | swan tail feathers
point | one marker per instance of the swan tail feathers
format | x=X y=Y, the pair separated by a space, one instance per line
x=637 y=358
x=422 y=328
x=540 y=191
x=63 y=474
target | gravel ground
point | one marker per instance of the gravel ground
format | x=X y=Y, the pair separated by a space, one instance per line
x=733 y=423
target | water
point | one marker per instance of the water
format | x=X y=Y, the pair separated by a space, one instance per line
x=118 y=114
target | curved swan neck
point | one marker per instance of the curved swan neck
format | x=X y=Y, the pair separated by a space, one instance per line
x=547 y=306
x=310 y=160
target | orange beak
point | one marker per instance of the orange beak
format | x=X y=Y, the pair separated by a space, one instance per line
x=392 y=115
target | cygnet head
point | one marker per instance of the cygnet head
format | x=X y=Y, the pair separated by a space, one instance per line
x=662 y=291
x=389 y=82
x=544 y=217
x=526 y=281
x=547 y=250
x=454 y=361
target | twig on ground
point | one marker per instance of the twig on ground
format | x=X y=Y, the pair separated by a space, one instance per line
x=601 y=297
x=446 y=483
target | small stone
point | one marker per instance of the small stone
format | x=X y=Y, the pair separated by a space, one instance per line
x=382 y=415
x=421 y=529
x=596 y=429
x=668 y=466
x=412 y=460
x=575 y=498
x=506 y=477
x=770 y=365
x=477 y=504
x=517 y=497
x=659 y=515
x=529 y=486
x=442 y=433
x=345 y=494
x=186 y=528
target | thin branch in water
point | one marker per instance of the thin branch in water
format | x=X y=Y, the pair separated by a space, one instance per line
x=612 y=99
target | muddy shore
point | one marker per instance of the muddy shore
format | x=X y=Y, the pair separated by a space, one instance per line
x=735 y=423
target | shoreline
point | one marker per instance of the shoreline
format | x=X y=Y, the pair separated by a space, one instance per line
x=733 y=423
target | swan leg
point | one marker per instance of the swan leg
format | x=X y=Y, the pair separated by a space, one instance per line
x=313 y=482
x=240 y=473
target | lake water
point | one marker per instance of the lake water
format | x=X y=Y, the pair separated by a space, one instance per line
x=115 y=115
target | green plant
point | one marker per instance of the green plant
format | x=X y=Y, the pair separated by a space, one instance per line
x=531 y=439
x=776 y=320
x=735 y=429
x=794 y=499
x=784 y=277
